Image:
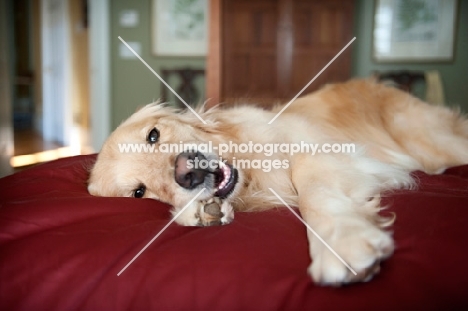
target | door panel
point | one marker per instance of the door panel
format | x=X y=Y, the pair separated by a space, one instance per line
x=249 y=49
x=270 y=49
x=321 y=30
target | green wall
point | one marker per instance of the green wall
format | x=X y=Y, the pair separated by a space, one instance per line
x=133 y=84
x=454 y=74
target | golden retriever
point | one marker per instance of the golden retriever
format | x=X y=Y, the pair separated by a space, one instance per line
x=337 y=193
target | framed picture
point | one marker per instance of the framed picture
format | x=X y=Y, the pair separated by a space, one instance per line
x=414 y=30
x=180 y=27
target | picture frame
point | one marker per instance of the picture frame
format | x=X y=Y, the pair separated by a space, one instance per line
x=414 y=30
x=180 y=28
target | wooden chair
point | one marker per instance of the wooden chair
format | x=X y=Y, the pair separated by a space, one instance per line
x=404 y=79
x=186 y=89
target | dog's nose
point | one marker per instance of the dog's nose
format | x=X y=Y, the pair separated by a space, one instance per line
x=187 y=174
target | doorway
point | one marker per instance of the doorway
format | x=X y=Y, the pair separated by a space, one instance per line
x=50 y=89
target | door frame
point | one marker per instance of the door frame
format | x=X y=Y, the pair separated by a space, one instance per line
x=214 y=59
x=100 y=69
x=56 y=72
x=6 y=124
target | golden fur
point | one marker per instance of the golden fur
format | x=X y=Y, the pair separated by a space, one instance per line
x=338 y=195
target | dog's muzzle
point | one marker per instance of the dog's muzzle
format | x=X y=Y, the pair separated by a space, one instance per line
x=193 y=168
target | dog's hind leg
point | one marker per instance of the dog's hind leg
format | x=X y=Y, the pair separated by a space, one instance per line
x=436 y=137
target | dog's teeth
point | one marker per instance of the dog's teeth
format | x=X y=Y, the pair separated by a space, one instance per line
x=210 y=201
x=226 y=176
x=221 y=185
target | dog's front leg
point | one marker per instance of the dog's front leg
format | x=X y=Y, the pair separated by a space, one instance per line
x=341 y=205
x=356 y=239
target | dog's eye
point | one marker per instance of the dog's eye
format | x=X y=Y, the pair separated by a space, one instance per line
x=140 y=192
x=153 y=136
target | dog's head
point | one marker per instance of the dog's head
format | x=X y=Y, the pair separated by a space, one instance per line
x=157 y=153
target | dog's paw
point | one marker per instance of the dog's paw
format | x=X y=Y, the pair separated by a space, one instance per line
x=362 y=246
x=214 y=212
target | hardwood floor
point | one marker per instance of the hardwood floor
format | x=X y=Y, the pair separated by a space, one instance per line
x=32 y=149
x=28 y=141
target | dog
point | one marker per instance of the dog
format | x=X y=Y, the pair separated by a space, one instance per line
x=338 y=194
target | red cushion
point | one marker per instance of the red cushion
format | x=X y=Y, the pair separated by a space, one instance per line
x=61 y=249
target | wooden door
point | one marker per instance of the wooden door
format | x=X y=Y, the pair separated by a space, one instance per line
x=265 y=51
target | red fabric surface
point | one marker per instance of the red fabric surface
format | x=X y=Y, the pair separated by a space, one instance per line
x=61 y=249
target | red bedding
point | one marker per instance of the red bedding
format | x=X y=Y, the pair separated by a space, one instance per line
x=61 y=249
